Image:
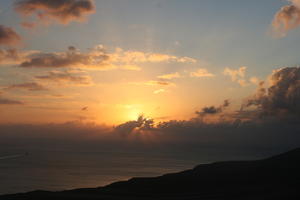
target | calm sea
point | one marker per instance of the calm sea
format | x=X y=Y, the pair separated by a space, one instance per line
x=60 y=170
x=22 y=171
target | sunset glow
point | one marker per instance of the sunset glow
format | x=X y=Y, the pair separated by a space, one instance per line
x=98 y=91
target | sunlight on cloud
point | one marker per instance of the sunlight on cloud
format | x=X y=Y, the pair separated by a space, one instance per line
x=201 y=73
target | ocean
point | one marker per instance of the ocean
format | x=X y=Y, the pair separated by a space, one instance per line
x=61 y=170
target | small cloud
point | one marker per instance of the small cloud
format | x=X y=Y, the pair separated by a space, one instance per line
x=13 y=56
x=4 y=101
x=28 y=25
x=158 y=83
x=236 y=75
x=30 y=86
x=254 y=80
x=154 y=83
x=130 y=67
x=242 y=82
x=170 y=76
x=66 y=77
x=202 y=72
x=84 y=108
x=211 y=110
x=158 y=91
x=8 y=36
x=286 y=19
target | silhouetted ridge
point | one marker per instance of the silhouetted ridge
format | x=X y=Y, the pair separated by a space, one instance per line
x=277 y=177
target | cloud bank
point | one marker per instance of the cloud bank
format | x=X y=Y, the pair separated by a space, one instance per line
x=95 y=58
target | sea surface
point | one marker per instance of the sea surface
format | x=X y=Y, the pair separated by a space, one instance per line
x=60 y=170
x=55 y=170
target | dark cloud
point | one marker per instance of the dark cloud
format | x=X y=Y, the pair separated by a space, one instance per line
x=8 y=36
x=141 y=123
x=213 y=109
x=4 y=101
x=84 y=108
x=70 y=58
x=282 y=96
x=61 y=11
x=66 y=77
x=185 y=137
x=30 y=86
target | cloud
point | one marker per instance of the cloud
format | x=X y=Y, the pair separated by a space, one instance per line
x=154 y=83
x=236 y=75
x=70 y=58
x=97 y=58
x=28 y=25
x=59 y=11
x=287 y=18
x=201 y=73
x=282 y=96
x=8 y=56
x=254 y=80
x=4 y=101
x=170 y=76
x=176 y=138
x=211 y=110
x=159 y=91
x=30 y=86
x=66 y=77
x=129 y=127
x=8 y=36
x=13 y=56
x=122 y=56
x=84 y=108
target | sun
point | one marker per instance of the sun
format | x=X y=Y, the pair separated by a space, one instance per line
x=133 y=114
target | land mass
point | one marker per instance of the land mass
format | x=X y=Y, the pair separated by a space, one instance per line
x=277 y=177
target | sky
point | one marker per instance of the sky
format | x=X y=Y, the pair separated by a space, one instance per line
x=108 y=62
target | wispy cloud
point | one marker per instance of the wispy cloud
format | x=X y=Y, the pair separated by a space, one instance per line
x=65 y=77
x=30 y=86
x=202 y=72
x=170 y=76
x=4 y=101
x=159 y=91
x=154 y=83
